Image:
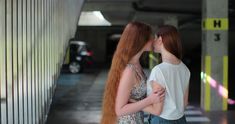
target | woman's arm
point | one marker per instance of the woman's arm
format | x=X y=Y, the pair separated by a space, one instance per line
x=156 y=108
x=186 y=97
x=122 y=107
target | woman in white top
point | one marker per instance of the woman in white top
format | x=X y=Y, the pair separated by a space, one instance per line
x=171 y=74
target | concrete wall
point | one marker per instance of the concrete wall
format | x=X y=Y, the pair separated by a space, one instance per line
x=33 y=37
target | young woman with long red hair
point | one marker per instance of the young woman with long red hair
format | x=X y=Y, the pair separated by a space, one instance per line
x=126 y=79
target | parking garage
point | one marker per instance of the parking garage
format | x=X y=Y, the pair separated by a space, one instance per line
x=44 y=80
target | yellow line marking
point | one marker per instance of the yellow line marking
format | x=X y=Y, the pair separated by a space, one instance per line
x=207 y=85
x=225 y=81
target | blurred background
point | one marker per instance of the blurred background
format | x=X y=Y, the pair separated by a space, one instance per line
x=55 y=56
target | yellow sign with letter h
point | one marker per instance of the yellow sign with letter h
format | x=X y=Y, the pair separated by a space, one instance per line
x=215 y=24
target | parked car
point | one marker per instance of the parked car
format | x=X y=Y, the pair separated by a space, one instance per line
x=80 y=56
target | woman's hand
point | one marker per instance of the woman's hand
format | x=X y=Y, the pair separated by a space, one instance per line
x=157 y=96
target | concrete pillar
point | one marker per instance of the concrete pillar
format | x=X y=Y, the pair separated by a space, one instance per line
x=214 y=72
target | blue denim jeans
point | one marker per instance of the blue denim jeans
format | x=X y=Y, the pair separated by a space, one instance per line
x=158 y=120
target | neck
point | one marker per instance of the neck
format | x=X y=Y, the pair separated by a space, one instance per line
x=168 y=57
x=136 y=58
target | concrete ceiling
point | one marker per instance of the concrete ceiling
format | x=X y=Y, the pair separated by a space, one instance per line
x=120 y=12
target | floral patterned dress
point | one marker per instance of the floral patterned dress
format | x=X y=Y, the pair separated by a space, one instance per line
x=138 y=92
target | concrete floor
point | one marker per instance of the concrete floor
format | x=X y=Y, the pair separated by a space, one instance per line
x=78 y=100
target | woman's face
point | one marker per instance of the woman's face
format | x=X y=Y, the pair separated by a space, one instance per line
x=157 y=44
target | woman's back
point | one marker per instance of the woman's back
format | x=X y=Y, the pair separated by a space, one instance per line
x=175 y=78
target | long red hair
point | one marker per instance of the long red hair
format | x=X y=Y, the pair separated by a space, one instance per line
x=133 y=39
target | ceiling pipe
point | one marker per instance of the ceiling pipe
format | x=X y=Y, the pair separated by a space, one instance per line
x=139 y=7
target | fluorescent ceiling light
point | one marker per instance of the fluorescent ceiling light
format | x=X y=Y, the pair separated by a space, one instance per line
x=93 y=18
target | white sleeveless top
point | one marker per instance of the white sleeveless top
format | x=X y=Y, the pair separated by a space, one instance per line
x=175 y=78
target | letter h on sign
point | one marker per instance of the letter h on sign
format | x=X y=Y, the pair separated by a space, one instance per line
x=217 y=23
